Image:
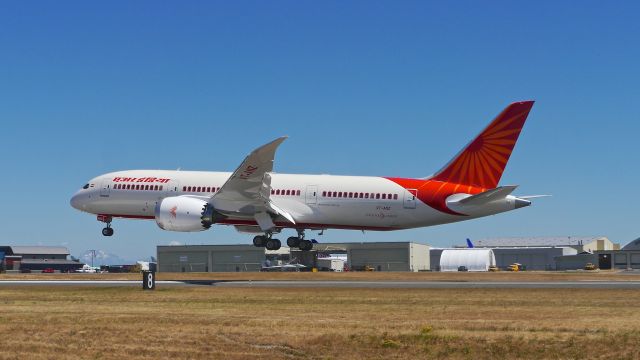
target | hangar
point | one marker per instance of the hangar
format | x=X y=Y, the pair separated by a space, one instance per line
x=531 y=258
x=378 y=256
x=210 y=258
x=36 y=258
x=626 y=258
x=469 y=259
x=580 y=243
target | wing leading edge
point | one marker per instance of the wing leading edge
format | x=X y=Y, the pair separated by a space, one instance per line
x=247 y=192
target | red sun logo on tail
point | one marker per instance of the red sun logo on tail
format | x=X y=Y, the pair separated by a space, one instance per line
x=173 y=211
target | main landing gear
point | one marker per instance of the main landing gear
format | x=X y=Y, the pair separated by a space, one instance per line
x=267 y=242
x=300 y=242
x=107 y=230
x=274 y=244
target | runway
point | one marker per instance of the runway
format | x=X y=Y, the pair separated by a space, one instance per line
x=343 y=284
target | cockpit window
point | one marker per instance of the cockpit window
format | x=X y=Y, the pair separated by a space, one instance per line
x=86 y=186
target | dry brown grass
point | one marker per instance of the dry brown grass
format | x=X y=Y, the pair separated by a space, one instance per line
x=306 y=323
x=353 y=276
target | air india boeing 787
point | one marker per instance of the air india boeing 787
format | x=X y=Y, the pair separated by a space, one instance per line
x=255 y=199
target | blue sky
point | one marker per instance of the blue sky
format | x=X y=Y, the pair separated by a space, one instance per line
x=390 y=88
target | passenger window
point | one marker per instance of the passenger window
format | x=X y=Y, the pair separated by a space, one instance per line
x=163 y=187
x=184 y=188
x=288 y=192
x=361 y=195
x=340 y=194
x=366 y=195
x=298 y=192
x=324 y=194
x=350 y=195
x=384 y=196
x=395 y=196
x=278 y=192
x=377 y=196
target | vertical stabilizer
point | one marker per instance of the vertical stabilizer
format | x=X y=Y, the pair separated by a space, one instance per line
x=482 y=162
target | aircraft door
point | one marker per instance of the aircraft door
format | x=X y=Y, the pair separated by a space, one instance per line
x=172 y=188
x=311 y=195
x=410 y=198
x=105 y=188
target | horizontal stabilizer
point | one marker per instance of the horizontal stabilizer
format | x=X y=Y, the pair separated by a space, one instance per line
x=489 y=195
x=533 y=196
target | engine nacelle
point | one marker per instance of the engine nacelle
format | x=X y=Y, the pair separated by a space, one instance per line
x=184 y=213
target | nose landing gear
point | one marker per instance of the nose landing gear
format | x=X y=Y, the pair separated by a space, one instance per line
x=107 y=230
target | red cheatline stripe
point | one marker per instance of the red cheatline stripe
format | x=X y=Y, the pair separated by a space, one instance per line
x=278 y=224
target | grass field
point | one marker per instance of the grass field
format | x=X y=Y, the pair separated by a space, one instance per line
x=307 y=323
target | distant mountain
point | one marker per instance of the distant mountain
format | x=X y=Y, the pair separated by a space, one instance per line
x=104 y=258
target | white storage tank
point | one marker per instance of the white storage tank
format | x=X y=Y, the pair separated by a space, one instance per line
x=471 y=259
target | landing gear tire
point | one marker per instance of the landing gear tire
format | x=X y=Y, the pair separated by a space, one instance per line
x=107 y=231
x=273 y=244
x=305 y=245
x=259 y=241
x=293 y=242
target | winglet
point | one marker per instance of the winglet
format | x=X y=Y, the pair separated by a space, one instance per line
x=482 y=162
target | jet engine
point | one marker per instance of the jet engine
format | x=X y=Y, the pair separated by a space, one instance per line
x=185 y=214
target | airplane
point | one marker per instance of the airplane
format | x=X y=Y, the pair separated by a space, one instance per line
x=257 y=200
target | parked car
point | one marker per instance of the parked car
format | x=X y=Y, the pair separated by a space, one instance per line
x=590 y=266
x=48 y=271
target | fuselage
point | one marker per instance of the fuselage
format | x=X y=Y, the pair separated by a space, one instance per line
x=314 y=201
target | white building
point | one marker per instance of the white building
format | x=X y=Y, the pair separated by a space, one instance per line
x=471 y=259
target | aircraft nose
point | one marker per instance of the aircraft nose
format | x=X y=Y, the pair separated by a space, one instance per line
x=76 y=201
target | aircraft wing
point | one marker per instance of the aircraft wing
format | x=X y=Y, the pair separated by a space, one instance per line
x=247 y=192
